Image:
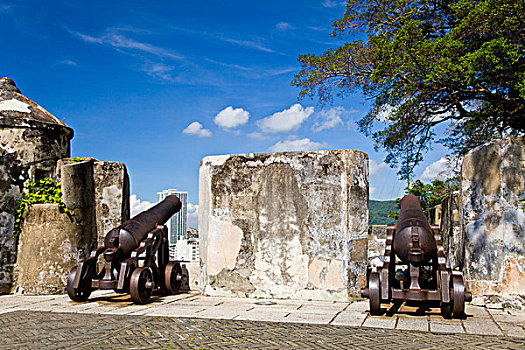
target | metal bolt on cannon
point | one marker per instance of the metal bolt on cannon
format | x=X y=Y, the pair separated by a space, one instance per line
x=414 y=268
x=136 y=258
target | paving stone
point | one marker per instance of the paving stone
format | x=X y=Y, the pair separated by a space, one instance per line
x=452 y=326
x=359 y=306
x=481 y=325
x=512 y=329
x=349 y=318
x=380 y=322
x=174 y=310
x=322 y=308
x=473 y=310
x=218 y=312
x=412 y=323
x=311 y=318
x=42 y=330
x=263 y=315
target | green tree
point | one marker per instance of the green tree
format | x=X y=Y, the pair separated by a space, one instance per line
x=431 y=194
x=423 y=63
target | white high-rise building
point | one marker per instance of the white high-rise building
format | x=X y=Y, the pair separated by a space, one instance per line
x=177 y=224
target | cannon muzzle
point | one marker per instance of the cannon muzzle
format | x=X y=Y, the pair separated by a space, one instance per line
x=414 y=239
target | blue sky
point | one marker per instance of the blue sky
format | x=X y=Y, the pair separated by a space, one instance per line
x=160 y=85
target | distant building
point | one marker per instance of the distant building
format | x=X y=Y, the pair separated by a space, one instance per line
x=177 y=224
x=186 y=250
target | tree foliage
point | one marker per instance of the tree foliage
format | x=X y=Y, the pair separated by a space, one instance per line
x=425 y=63
x=431 y=194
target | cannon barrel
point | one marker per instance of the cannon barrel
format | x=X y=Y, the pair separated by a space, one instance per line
x=414 y=239
x=133 y=231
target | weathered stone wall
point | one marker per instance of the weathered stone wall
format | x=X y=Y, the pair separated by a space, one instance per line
x=376 y=245
x=450 y=226
x=97 y=194
x=31 y=142
x=25 y=154
x=493 y=218
x=284 y=225
x=51 y=244
x=111 y=196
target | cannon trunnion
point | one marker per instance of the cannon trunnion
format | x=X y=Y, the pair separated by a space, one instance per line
x=414 y=268
x=135 y=258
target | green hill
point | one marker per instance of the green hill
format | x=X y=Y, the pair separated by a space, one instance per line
x=378 y=210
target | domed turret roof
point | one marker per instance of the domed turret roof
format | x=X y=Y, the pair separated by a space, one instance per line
x=16 y=110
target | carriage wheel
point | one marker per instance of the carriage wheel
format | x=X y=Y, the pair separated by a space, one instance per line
x=173 y=277
x=141 y=285
x=459 y=295
x=76 y=294
x=374 y=294
x=446 y=310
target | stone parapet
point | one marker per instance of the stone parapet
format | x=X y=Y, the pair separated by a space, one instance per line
x=50 y=245
x=493 y=217
x=284 y=225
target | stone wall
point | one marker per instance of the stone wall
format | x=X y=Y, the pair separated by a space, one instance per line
x=284 y=225
x=25 y=154
x=52 y=243
x=493 y=217
x=450 y=225
x=376 y=245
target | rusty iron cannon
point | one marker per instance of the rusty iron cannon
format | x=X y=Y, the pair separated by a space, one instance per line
x=135 y=258
x=415 y=268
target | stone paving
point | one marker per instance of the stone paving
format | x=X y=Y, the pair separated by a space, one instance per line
x=111 y=320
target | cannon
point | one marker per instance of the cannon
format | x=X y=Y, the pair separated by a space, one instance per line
x=415 y=268
x=135 y=259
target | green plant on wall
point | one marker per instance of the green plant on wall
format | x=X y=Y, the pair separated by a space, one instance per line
x=44 y=191
x=76 y=159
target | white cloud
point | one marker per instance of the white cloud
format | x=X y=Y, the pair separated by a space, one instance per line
x=287 y=120
x=195 y=128
x=296 y=145
x=284 y=26
x=68 y=62
x=329 y=119
x=371 y=190
x=113 y=38
x=246 y=43
x=441 y=169
x=332 y=3
x=159 y=70
x=231 y=117
x=257 y=135
x=374 y=167
x=137 y=206
x=193 y=215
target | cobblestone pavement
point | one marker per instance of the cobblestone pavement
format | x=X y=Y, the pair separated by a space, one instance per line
x=112 y=321
x=49 y=330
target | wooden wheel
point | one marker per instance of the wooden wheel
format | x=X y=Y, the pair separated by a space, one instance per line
x=77 y=294
x=141 y=285
x=374 y=294
x=173 y=277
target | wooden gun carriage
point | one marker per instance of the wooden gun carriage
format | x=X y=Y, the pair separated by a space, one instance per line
x=414 y=268
x=136 y=258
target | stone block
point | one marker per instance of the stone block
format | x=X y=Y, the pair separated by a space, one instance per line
x=284 y=225
x=111 y=186
x=50 y=245
x=493 y=217
x=376 y=245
